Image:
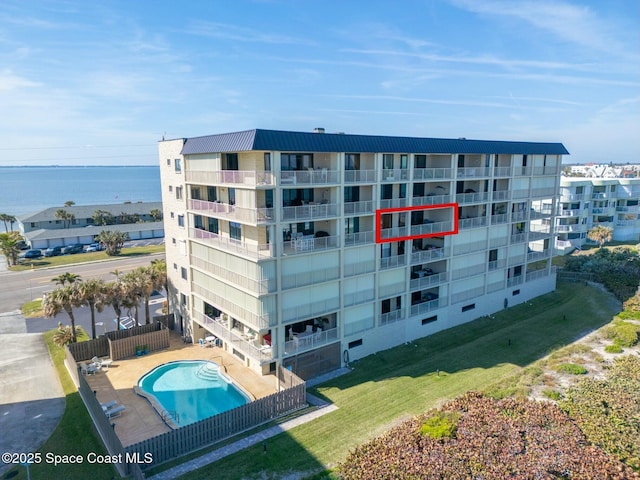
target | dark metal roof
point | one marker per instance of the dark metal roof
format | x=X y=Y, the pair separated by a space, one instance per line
x=283 y=141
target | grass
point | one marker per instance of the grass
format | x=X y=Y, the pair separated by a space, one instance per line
x=385 y=388
x=33 y=309
x=74 y=435
x=62 y=260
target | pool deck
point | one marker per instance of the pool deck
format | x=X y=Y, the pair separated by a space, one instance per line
x=139 y=420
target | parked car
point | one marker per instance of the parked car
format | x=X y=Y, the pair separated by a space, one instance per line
x=75 y=248
x=34 y=253
x=94 y=247
x=52 y=251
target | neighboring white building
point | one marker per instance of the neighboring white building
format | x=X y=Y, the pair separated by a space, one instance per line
x=310 y=250
x=587 y=202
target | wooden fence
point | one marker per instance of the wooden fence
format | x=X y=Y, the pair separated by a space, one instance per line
x=197 y=435
x=125 y=343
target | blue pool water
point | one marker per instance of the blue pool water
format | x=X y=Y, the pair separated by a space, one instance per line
x=194 y=389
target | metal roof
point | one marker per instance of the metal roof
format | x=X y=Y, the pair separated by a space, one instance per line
x=284 y=141
x=87 y=211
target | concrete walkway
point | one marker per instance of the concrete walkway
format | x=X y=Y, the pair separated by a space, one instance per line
x=322 y=409
x=31 y=398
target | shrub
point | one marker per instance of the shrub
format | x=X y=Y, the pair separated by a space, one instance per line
x=572 y=368
x=440 y=425
x=552 y=394
x=622 y=333
x=615 y=348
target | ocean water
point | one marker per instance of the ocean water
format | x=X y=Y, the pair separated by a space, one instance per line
x=26 y=190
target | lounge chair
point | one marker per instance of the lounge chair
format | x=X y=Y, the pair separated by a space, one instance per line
x=114 y=412
x=108 y=405
x=87 y=369
x=100 y=363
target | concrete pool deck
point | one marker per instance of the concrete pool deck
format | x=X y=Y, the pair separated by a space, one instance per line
x=139 y=421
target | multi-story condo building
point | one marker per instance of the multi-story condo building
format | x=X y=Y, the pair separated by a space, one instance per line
x=310 y=250
x=587 y=202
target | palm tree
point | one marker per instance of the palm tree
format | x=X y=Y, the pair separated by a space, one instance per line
x=156 y=215
x=66 y=278
x=66 y=217
x=112 y=241
x=7 y=218
x=160 y=266
x=133 y=289
x=600 y=234
x=69 y=203
x=64 y=298
x=92 y=293
x=10 y=246
x=113 y=295
x=103 y=217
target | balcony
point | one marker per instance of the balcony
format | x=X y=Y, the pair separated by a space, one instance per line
x=393 y=232
x=468 y=271
x=393 y=203
x=392 y=262
x=255 y=216
x=431 y=200
x=259 y=287
x=474 y=222
x=470 y=172
x=230 y=245
x=309 y=243
x=308 y=341
x=313 y=211
x=310 y=310
x=496 y=264
x=539 y=255
x=424 y=256
x=249 y=178
x=391 y=317
x=360 y=176
x=294 y=280
x=428 y=281
x=251 y=347
x=472 y=197
x=431 y=228
x=571 y=228
x=358 y=238
x=502 y=172
x=501 y=195
x=431 y=173
x=359 y=208
x=396 y=175
x=500 y=218
x=310 y=177
x=252 y=320
x=428 y=306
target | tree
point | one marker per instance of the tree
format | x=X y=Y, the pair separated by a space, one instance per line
x=113 y=241
x=92 y=293
x=160 y=266
x=133 y=286
x=10 y=246
x=103 y=217
x=600 y=234
x=113 y=295
x=69 y=203
x=66 y=217
x=66 y=278
x=156 y=214
x=8 y=218
x=64 y=298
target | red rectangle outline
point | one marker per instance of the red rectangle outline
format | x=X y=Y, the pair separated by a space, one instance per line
x=411 y=209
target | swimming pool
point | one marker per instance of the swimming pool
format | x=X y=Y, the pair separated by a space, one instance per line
x=194 y=389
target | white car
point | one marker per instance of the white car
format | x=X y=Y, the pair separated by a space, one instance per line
x=94 y=247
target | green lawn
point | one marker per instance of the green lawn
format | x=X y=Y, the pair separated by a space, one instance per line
x=395 y=384
x=62 y=260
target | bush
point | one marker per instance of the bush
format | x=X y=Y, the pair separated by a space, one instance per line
x=615 y=348
x=552 y=394
x=572 y=368
x=441 y=425
x=622 y=333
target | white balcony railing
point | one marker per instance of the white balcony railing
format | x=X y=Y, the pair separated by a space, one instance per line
x=309 y=243
x=309 y=177
x=390 y=317
x=232 y=212
x=358 y=238
x=258 y=286
x=360 y=176
x=431 y=228
x=423 y=256
x=294 y=280
x=231 y=177
x=231 y=245
x=472 y=197
x=393 y=203
x=431 y=200
x=392 y=262
x=476 y=222
x=310 y=212
x=310 y=310
x=396 y=175
x=308 y=341
x=428 y=306
x=358 y=208
x=467 y=172
x=428 y=281
x=431 y=173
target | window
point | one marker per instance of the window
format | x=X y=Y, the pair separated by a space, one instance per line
x=515 y=292
x=171 y=188
x=213 y=225
x=183 y=273
x=351 y=194
x=355 y=343
x=178 y=193
x=172 y=215
x=352 y=161
x=168 y=161
x=403 y=161
x=420 y=161
x=235 y=231
x=232 y=196
x=493 y=255
x=387 y=161
x=429 y=320
x=173 y=240
x=267 y=162
x=296 y=161
x=471 y=306
x=181 y=220
x=351 y=225
x=230 y=161
x=183 y=299
x=197 y=222
x=175 y=265
x=178 y=165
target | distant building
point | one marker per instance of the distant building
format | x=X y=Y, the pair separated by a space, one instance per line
x=43 y=229
x=587 y=202
x=310 y=250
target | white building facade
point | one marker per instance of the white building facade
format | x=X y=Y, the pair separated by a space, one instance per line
x=588 y=202
x=311 y=250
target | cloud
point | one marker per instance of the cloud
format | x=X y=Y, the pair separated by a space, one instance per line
x=225 y=31
x=9 y=81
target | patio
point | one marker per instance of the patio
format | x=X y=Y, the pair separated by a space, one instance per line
x=139 y=421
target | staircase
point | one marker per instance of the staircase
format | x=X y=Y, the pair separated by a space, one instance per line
x=207 y=371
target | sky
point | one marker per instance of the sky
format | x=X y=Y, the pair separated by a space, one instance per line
x=100 y=83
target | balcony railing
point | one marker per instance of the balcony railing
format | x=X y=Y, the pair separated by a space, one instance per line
x=358 y=208
x=392 y=262
x=359 y=268
x=309 y=212
x=393 y=203
x=500 y=218
x=428 y=306
x=501 y=195
x=539 y=274
x=468 y=271
x=309 y=177
x=539 y=255
x=250 y=347
x=431 y=200
x=467 y=294
x=428 y=281
x=434 y=227
x=396 y=175
x=258 y=286
x=496 y=264
x=231 y=245
x=357 y=298
x=358 y=238
x=309 y=243
x=360 y=176
x=518 y=237
x=253 y=320
x=502 y=171
x=473 y=197
x=308 y=341
x=294 y=280
x=431 y=173
x=231 y=177
x=232 y=212
x=475 y=222
x=424 y=256
x=310 y=310
x=513 y=281
x=391 y=317
x=467 y=172
x=394 y=232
